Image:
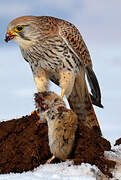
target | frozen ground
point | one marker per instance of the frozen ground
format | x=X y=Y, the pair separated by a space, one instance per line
x=68 y=171
x=62 y=171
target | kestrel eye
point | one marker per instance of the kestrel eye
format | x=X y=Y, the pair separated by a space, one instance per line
x=19 y=28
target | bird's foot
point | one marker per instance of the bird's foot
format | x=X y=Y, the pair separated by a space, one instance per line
x=62 y=93
x=38 y=122
x=49 y=160
x=36 y=112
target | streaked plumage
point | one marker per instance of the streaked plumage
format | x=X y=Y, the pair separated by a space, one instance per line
x=55 y=50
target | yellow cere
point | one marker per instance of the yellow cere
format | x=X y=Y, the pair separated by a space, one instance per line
x=11 y=33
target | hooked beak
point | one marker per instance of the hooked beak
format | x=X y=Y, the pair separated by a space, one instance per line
x=10 y=35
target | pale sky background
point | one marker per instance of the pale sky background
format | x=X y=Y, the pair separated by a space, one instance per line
x=99 y=24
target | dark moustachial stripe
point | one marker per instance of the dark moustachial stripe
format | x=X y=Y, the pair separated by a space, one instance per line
x=24 y=37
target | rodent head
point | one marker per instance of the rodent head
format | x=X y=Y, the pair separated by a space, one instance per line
x=46 y=100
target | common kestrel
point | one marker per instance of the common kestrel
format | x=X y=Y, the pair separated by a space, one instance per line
x=55 y=50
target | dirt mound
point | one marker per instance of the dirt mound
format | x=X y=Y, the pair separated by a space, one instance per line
x=24 y=146
x=118 y=142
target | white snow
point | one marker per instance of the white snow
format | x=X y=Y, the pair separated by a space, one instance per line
x=115 y=155
x=61 y=171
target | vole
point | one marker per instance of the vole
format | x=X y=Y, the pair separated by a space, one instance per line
x=62 y=124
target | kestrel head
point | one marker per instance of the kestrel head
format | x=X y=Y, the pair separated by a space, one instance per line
x=24 y=30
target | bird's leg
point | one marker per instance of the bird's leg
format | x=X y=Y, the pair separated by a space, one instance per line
x=41 y=81
x=67 y=79
x=36 y=111
x=49 y=160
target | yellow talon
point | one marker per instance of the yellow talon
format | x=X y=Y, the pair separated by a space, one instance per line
x=62 y=93
x=32 y=112
x=37 y=112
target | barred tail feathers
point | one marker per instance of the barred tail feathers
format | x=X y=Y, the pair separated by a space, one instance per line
x=80 y=103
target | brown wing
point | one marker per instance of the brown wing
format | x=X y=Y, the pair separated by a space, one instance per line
x=75 y=42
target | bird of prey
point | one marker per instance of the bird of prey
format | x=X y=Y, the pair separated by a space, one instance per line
x=56 y=51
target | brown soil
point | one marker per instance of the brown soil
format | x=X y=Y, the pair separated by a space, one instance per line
x=118 y=142
x=24 y=146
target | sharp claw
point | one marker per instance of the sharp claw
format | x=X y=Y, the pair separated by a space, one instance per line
x=62 y=93
x=32 y=112
x=37 y=112
x=49 y=160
